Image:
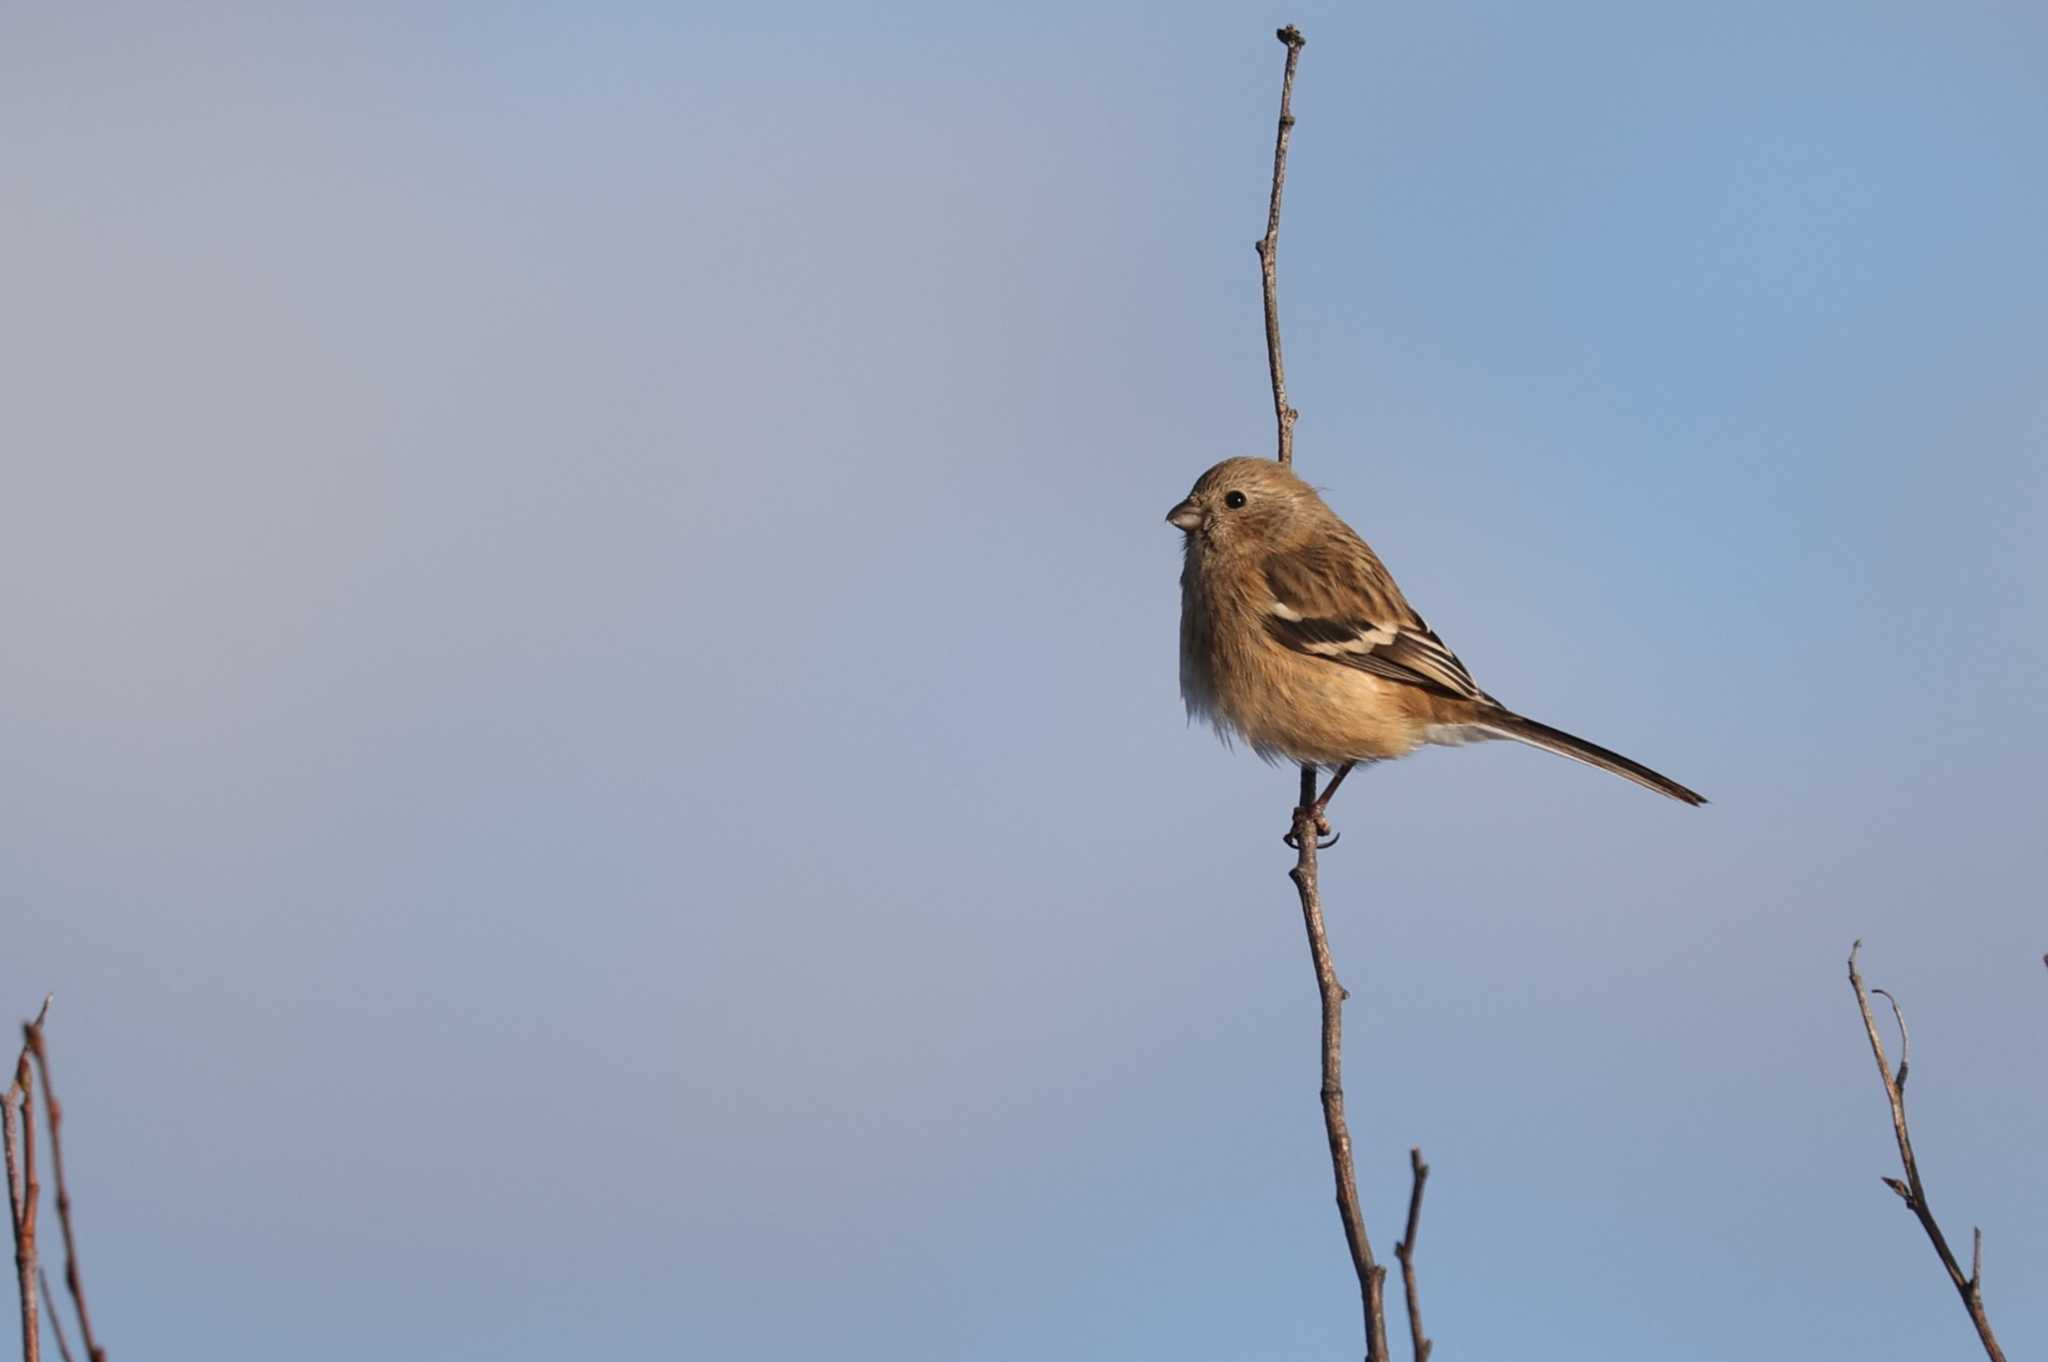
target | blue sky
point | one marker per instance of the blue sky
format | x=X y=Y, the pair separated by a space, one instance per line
x=593 y=750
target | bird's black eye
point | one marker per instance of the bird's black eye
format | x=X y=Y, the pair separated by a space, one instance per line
x=1233 y=500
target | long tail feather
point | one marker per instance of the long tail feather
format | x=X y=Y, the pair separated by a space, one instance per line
x=1510 y=725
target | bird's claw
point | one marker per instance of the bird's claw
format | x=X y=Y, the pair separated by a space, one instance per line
x=1325 y=839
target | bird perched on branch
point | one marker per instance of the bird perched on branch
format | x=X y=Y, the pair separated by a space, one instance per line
x=1294 y=637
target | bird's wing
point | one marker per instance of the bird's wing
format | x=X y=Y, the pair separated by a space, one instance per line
x=1337 y=602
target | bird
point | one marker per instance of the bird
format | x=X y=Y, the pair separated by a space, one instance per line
x=1295 y=639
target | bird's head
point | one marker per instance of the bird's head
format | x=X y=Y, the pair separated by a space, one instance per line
x=1245 y=504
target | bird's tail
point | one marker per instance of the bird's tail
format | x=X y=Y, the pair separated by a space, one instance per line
x=1510 y=725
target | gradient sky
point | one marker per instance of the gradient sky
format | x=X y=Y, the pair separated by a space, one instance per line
x=589 y=712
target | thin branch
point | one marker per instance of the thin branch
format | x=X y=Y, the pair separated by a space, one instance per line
x=1905 y=1039
x=54 y=1114
x=24 y=1192
x=1371 y=1276
x=56 y=1321
x=1910 y=1190
x=1269 y=247
x=24 y=1232
x=1405 y=1251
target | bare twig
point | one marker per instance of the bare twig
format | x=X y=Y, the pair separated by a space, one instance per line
x=56 y=1319
x=1371 y=1276
x=1910 y=1190
x=24 y=1192
x=1405 y=1251
x=19 y=1203
x=54 y=1114
x=1269 y=245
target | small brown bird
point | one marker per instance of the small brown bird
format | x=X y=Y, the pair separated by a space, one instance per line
x=1294 y=637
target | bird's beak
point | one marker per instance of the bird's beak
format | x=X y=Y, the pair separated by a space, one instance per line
x=1186 y=516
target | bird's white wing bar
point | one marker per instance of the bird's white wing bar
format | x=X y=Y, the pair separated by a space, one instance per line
x=1412 y=654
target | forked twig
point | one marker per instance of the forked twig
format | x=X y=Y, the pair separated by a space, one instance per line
x=54 y=1114
x=1405 y=1251
x=1910 y=1190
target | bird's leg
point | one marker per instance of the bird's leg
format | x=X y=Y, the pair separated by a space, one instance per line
x=1310 y=812
x=1324 y=803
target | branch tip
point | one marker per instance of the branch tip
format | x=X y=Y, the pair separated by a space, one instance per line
x=1910 y=1189
x=1276 y=367
x=1419 y=1342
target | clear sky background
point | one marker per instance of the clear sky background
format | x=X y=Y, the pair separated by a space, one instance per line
x=588 y=708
